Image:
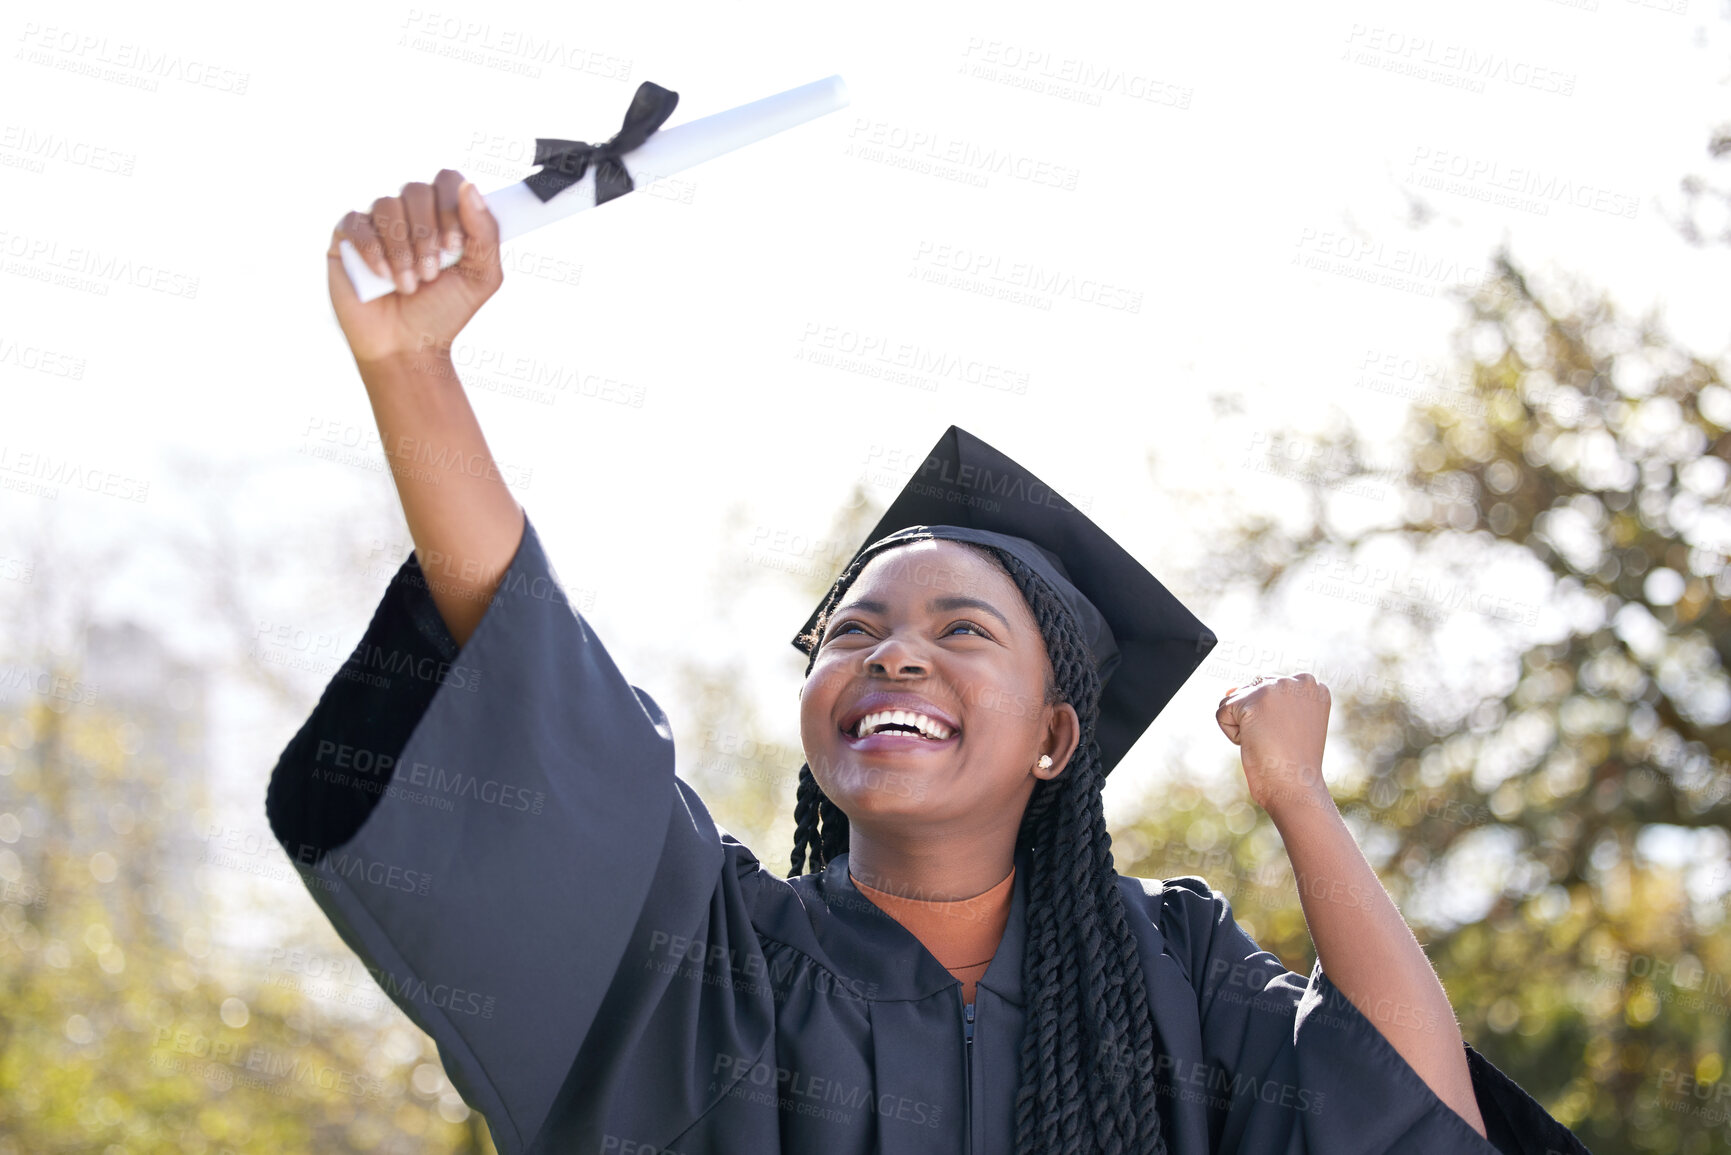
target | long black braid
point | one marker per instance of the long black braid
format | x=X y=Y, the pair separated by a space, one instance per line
x=1088 y=1072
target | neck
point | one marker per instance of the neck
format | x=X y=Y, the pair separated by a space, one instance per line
x=946 y=870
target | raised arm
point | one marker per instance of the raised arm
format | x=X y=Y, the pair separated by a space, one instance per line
x=1362 y=942
x=465 y=524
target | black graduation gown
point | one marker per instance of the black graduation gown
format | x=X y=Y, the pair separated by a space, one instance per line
x=499 y=834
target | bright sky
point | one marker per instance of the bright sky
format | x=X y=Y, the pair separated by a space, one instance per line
x=1221 y=196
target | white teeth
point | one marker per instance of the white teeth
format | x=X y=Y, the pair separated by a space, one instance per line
x=928 y=727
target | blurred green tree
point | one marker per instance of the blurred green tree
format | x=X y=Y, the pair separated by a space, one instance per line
x=1554 y=824
x=133 y=1022
x=1704 y=217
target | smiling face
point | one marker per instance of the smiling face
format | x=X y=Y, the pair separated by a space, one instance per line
x=934 y=654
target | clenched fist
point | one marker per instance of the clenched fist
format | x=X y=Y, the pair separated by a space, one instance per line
x=1279 y=725
x=401 y=238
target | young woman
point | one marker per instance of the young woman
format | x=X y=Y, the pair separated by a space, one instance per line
x=487 y=811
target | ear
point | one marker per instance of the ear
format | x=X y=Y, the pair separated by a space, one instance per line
x=1063 y=735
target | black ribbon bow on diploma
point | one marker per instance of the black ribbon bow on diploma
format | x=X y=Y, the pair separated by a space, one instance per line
x=565 y=161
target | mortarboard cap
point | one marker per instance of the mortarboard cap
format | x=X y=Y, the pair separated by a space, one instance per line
x=1144 y=642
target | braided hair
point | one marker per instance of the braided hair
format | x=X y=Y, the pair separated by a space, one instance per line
x=1087 y=1065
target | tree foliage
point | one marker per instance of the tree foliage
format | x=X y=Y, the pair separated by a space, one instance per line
x=1554 y=826
x=133 y=1021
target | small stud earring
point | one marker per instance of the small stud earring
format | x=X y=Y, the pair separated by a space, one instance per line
x=1045 y=761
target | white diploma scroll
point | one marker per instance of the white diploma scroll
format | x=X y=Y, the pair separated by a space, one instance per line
x=666 y=152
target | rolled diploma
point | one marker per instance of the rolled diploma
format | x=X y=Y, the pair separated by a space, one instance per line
x=666 y=152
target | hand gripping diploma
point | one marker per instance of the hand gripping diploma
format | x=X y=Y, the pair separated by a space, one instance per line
x=1363 y=944
x=465 y=524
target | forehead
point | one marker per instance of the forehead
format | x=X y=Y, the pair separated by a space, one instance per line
x=921 y=570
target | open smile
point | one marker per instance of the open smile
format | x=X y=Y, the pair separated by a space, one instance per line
x=899 y=729
x=888 y=741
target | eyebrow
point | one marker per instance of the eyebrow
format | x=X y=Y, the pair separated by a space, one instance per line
x=953 y=602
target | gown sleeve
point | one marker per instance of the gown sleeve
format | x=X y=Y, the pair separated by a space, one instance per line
x=491 y=828
x=1292 y=1058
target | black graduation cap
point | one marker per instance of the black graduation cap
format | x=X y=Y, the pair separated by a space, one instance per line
x=1145 y=643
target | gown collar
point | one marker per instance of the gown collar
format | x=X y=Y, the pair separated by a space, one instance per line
x=893 y=962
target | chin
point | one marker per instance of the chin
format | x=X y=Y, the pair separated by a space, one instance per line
x=864 y=787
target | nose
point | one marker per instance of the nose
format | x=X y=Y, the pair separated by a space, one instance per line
x=893 y=657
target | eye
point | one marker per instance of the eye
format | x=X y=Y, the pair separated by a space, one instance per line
x=967 y=626
x=838 y=630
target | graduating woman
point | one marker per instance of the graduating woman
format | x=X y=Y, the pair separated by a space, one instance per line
x=488 y=813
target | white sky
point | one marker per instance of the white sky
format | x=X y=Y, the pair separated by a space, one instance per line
x=1275 y=134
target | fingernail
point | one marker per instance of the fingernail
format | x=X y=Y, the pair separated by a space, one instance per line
x=406 y=281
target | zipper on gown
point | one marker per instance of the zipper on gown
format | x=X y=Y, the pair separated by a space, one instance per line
x=968 y=1050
